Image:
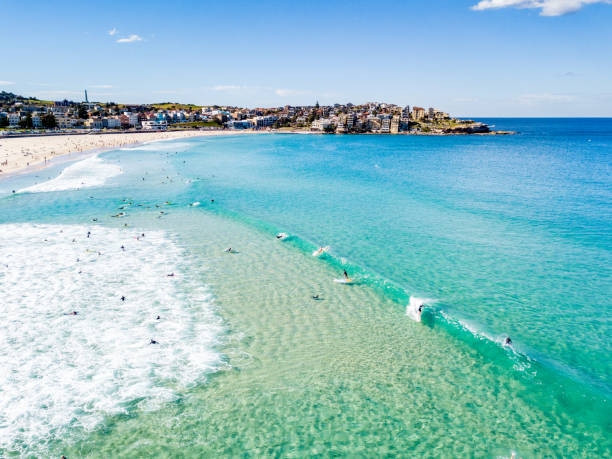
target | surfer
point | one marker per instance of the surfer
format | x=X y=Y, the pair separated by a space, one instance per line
x=508 y=341
x=345 y=275
x=315 y=297
x=153 y=342
x=229 y=250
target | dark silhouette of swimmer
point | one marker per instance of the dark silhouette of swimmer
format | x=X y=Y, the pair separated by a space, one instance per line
x=508 y=342
x=158 y=317
x=345 y=274
x=421 y=308
x=153 y=342
x=123 y=248
x=170 y=275
x=212 y=200
x=122 y=298
x=88 y=234
x=316 y=297
x=73 y=313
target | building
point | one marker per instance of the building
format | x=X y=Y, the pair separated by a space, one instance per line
x=395 y=124
x=418 y=113
x=241 y=124
x=112 y=123
x=265 y=121
x=36 y=121
x=13 y=119
x=385 y=127
x=321 y=124
x=155 y=125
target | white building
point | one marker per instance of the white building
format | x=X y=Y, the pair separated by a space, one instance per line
x=154 y=125
x=320 y=124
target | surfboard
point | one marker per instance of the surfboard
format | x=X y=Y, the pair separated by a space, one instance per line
x=320 y=251
x=344 y=281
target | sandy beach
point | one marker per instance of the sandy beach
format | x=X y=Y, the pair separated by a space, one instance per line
x=18 y=153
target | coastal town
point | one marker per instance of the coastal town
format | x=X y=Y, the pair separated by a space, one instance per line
x=22 y=115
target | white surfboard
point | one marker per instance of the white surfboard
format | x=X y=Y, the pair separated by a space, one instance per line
x=344 y=281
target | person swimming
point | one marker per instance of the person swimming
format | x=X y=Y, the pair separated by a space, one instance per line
x=158 y=318
x=508 y=342
x=229 y=250
x=153 y=342
x=122 y=298
x=170 y=275
x=315 y=297
x=123 y=248
x=88 y=234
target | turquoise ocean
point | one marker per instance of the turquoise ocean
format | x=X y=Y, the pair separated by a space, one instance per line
x=181 y=349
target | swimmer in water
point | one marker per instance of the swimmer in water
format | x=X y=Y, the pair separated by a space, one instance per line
x=315 y=297
x=158 y=317
x=170 y=275
x=345 y=275
x=73 y=313
x=88 y=234
x=153 y=342
x=508 y=342
x=122 y=298
x=228 y=250
x=123 y=248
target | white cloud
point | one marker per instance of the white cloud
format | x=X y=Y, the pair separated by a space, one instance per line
x=535 y=99
x=546 y=7
x=289 y=92
x=112 y=31
x=101 y=86
x=6 y=82
x=132 y=38
x=226 y=87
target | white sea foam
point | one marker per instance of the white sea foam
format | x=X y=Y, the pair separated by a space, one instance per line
x=412 y=309
x=63 y=373
x=87 y=173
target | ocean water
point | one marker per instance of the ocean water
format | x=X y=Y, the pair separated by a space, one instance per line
x=496 y=235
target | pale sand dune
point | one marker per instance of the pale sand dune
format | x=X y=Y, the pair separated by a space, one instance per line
x=21 y=152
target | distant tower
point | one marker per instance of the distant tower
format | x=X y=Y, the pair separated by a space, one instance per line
x=86 y=99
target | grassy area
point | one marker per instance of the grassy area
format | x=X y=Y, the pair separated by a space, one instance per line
x=175 y=106
x=39 y=102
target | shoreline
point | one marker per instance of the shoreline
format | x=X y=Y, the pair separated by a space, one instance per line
x=25 y=154
x=22 y=154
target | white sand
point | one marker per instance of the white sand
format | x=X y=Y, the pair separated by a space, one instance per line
x=20 y=152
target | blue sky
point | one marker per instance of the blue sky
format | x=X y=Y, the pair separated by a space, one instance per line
x=468 y=57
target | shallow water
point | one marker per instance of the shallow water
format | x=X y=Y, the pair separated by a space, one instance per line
x=501 y=236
